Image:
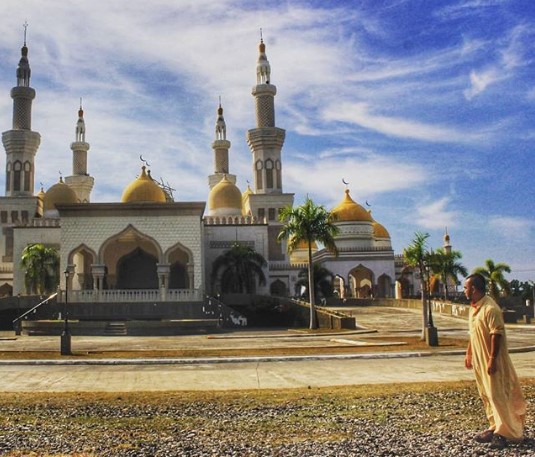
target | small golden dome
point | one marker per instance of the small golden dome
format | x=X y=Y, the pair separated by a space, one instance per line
x=59 y=193
x=379 y=231
x=143 y=189
x=247 y=192
x=225 y=195
x=350 y=211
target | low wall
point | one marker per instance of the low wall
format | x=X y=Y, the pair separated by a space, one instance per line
x=132 y=328
x=438 y=306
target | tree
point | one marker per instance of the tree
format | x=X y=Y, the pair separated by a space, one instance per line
x=238 y=270
x=521 y=289
x=323 y=280
x=416 y=255
x=41 y=264
x=308 y=223
x=494 y=275
x=446 y=265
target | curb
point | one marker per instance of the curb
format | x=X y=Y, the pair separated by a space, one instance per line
x=217 y=360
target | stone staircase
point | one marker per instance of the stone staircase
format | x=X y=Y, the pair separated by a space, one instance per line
x=117 y=328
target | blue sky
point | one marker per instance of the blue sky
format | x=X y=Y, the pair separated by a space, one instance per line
x=426 y=108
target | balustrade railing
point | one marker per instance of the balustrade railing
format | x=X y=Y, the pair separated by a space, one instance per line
x=131 y=295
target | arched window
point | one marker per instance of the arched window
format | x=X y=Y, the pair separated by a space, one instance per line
x=17 y=169
x=8 y=177
x=278 y=173
x=27 y=175
x=258 y=167
x=269 y=174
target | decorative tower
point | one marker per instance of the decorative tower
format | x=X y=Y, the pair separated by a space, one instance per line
x=80 y=181
x=266 y=140
x=447 y=245
x=220 y=146
x=21 y=143
x=266 y=200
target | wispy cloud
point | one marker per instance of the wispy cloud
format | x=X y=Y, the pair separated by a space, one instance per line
x=436 y=215
x=512 y=228
x=359 y=114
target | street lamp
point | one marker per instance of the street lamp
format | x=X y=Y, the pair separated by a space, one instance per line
x=18 y=325
x=66 y=335
x=431 y=332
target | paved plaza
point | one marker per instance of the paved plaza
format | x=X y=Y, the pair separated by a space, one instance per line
x=243 y=372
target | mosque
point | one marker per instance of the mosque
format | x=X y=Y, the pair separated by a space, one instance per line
x=148 y=248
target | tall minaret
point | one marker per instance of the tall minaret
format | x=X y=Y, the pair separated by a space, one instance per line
x=220 y=146
x=447 y=245
x=265 y=140
x=21 y=143
x=80 y=181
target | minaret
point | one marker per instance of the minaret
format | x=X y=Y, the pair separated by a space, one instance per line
x=220 y=146
x=21 y=143
x=266 y=140
x=447 y=245
x=80 y=181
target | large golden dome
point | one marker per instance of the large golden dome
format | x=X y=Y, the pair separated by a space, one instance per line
x=350 y=211
x=143 y=189
x=225 y=199
x=59 y=193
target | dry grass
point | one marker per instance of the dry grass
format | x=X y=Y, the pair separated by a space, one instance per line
x=411 y=344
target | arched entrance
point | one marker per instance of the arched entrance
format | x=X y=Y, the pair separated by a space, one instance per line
x=278 y=289
x=384 y=286
x=82 y=258
x=137 y=270
x=180 y=261
x=361 y=282
x=130 y=260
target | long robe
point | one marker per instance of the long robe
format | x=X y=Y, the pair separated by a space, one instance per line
x=501 y=393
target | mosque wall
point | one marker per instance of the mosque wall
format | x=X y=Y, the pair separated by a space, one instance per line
x=166 y=231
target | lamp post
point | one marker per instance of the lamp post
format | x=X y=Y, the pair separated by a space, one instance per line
x=66 y=335
x=18 y=325
x=431 y=333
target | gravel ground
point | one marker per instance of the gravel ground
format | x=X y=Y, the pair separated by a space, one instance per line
x=405 y=420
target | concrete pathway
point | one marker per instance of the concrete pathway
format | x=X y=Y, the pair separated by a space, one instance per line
x=253 y=372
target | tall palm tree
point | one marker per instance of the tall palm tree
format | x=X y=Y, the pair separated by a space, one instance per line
x=42 y=268
x=416 y=255
x=238 y=269
x=308 y=223
x=446 y=265
x=323 y=280
x=494 y=275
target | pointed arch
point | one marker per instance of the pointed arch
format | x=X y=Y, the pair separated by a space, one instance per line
x=135 y=254
x=384 y=286
x=361 y=280
x=83 y=258
x=278 y=288
x=180 y=261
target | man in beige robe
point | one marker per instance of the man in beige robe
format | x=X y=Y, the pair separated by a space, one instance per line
x=495 y=375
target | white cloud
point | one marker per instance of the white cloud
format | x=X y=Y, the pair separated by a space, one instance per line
x=359 y=114
x=435 y=215
x=512 y=228
x=480 y=81
x=368 y=175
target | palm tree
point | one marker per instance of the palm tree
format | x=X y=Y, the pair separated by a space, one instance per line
x=42 y=268
x=446 y=265
x=416 y=255
x=238 y=269
x=494 y=275
x=308 y=223
x=323 y=280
